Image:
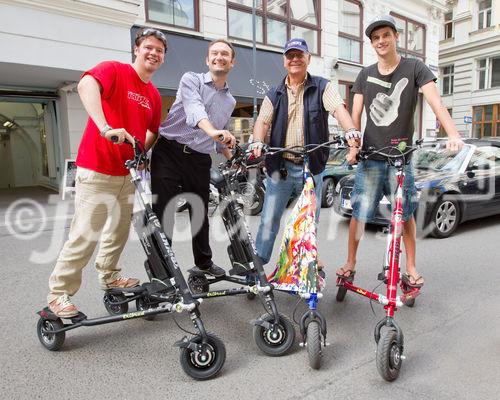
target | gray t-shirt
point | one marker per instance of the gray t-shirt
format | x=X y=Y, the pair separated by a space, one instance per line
x=390 y=101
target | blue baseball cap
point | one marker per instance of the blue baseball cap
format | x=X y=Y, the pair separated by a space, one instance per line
x=296 y=44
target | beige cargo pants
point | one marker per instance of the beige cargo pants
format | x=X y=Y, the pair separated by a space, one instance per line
x=103 y=208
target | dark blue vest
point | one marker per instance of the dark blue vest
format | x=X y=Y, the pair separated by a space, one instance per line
x=315 y=123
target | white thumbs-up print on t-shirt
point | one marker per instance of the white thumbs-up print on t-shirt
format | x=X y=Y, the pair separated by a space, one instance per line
x=384 y=108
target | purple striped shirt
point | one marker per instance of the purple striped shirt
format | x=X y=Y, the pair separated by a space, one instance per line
x=198 y=98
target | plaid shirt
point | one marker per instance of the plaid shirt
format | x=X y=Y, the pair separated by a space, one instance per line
x=295 y=129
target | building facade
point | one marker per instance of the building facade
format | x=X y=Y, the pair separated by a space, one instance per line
x=47 y=45
x=469 y=62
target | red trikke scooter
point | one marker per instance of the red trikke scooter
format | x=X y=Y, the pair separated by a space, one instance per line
x=390 y=341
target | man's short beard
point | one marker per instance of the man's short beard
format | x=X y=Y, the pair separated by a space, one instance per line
x=220 y=73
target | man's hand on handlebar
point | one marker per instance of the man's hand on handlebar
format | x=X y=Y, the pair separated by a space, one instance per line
x=256 y=148
x=454 y=144
x=352 y=155
x=224 y=137
x=118 y=136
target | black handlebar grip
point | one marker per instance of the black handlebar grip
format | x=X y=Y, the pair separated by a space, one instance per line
x=114 y=139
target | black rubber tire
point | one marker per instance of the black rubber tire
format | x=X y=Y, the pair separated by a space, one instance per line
x=313 y=340
x=253 y=206
x=341 y=292
x=142 y=304
x=327 y=193
x=201 y=369
x=410 y=303
x=113 y=309
x=278 y=345
x=445 y=218
x=52 y=342
x=198 y=284
x=389 y=355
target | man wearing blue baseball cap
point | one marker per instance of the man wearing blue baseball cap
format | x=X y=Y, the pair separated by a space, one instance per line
x=297 y=110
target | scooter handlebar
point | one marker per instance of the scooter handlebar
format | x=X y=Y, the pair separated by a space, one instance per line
x=302 y=151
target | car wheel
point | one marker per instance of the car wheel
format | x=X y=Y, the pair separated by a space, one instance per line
x=445 y=218
x=327 y=193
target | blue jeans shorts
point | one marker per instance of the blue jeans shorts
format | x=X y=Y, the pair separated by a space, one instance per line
x=373 y=180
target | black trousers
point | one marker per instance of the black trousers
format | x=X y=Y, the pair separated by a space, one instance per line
x=177 y=169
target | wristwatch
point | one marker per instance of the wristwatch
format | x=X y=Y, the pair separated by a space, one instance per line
x=105 y=128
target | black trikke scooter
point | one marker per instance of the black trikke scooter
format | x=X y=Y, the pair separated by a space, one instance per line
x=273 y=332
x=203 y=355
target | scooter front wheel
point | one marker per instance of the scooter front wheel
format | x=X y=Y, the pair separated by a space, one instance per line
x=110 y=300
x=313 y=341
x=277 y=340
x=389 y=355
x=51 y=341
x=207 y=361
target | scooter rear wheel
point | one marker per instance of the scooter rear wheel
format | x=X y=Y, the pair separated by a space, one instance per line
x=277 y=341
x=207 y=362
x=389 y=354
x=142 y=304
x=341 y=292
x=410 y=303
x=51 y=341
x=313 y=340
x=198 y=284
x=115 y=309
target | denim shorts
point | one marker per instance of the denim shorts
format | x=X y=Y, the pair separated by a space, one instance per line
x=373 y=180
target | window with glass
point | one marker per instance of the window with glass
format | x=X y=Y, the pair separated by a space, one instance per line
x=488 y=73
x=484 y=14
x=178 y=13
x=448 y=25
x=447 y=74
x=276 y=21
x=351 y=31
x=485 y=121
x=411 y=42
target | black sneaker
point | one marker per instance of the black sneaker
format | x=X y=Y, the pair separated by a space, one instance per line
x=213 y=270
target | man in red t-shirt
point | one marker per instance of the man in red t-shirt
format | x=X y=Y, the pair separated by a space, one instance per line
x=122 y=102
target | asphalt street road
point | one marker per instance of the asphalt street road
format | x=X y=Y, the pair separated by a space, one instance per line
x=452 y=335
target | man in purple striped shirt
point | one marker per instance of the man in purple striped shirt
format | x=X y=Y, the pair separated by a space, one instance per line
x=195 y=127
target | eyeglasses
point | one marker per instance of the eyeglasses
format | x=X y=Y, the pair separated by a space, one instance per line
x=156 y=33
x=290 y=56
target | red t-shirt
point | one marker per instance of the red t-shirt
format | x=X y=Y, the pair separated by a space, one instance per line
x=127 y=103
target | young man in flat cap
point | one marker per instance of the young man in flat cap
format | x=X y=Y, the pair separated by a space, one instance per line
x=388 y=92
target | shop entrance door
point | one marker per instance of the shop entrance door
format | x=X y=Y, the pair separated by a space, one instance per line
x=29 y=145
